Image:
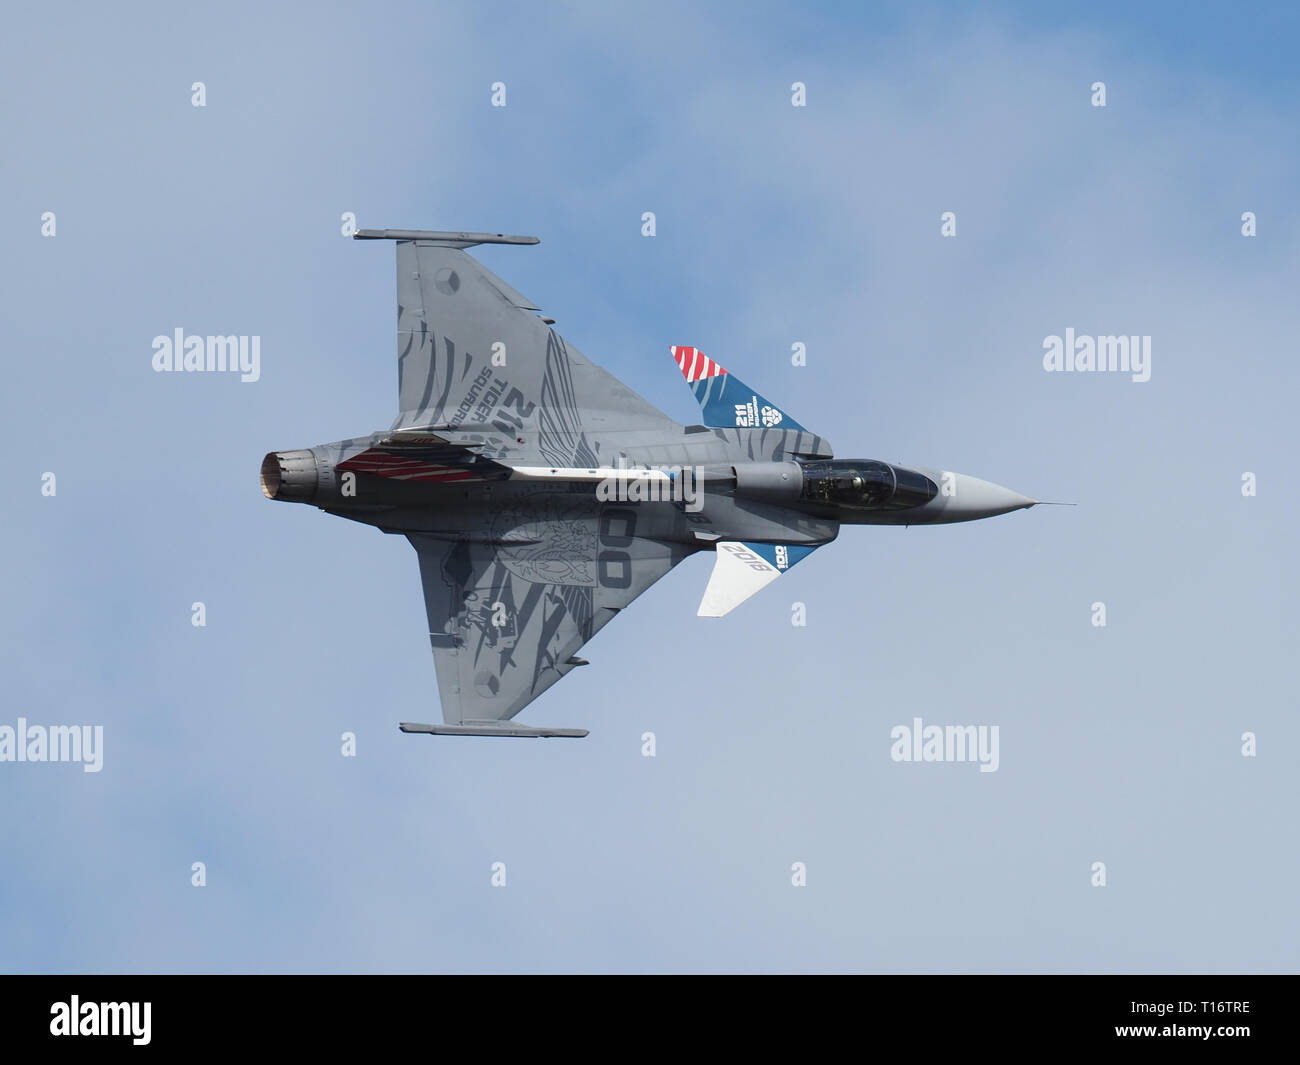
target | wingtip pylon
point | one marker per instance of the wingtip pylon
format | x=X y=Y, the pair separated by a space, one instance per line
x=492 y=728
x=443 y=239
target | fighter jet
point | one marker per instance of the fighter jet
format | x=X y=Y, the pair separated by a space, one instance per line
x=542 y=495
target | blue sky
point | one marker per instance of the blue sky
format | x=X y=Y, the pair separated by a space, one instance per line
x=776 y=225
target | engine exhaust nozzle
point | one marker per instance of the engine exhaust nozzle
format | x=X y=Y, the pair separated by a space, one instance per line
x=289 y=476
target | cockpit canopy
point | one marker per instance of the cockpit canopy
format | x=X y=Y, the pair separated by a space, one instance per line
x=865 y=484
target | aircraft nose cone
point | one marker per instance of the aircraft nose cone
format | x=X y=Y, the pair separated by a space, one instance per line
x=973 y=498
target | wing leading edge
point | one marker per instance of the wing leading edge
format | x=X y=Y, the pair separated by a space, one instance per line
x=510 y=607
x=473 y=353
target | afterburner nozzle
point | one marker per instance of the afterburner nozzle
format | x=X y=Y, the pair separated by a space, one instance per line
x=289 y=476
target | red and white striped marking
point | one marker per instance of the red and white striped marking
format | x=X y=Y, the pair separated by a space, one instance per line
x=695 y=365
x=401 y=468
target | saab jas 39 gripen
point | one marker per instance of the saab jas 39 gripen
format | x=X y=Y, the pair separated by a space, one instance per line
x=542 y=495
